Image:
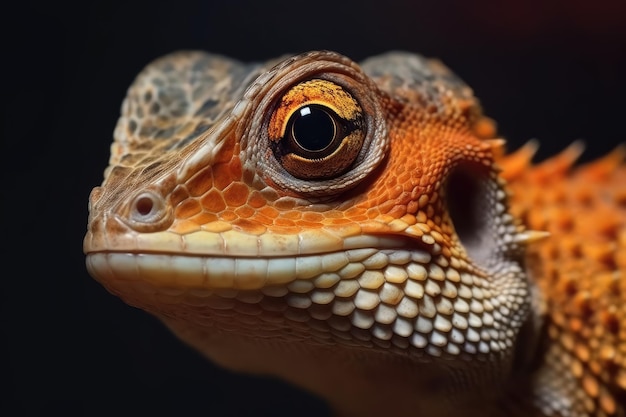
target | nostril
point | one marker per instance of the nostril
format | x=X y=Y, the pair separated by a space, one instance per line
x=144 y=205
x=147 y=209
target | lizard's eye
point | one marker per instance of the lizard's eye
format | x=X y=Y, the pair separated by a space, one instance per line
x=317 y=130
x=316 y=127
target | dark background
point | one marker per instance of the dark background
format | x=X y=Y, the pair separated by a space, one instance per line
x=552 y=70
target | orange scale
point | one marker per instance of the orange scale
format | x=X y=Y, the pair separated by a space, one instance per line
x=228 y=216
x=595 y=366
x=582 y=352
x=608 y=354
x=183 y=227
x=607 y=403
x=291 y=215
x=576 y=325
x=200 y=183
x=222 y=176
x=583 y=304
x=187 y=208
x=341 y=221
x=404 y=177
x=179 y=194
x=235 y=166
x=285 y=204
x=236 y=194
x=311 y=216
x=391 y=181
x=308 y=225
x=412 y=207
x=256 y=200
x=284 y=222
x=590 y=385
x=262 y=219
x=537 y=220
x=245 y=212
x=397 y=211
x=353 y=212
x=269 y=212
x=203 y=218
x=334 y=214
x=485 y=128
x=285 y=229
x=248 y=226
x=269 y=194
x=213 y=201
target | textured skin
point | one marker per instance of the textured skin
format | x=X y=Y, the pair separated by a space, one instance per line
x=580 y=271
x=402 y=269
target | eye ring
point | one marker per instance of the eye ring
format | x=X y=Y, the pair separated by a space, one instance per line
x=317 y=130
x=268 y=109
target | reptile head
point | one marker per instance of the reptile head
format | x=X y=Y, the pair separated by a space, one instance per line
x=269 y=213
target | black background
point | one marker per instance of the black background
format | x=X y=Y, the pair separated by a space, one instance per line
x=552 y=70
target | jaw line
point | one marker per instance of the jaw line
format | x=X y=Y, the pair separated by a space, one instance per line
x=225 y=271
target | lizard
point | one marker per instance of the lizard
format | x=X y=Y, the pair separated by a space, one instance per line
x=361 y=231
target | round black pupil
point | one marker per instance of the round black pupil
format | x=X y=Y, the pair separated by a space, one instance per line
x=313 y=128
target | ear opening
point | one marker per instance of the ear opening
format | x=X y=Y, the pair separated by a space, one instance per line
x=472 y=209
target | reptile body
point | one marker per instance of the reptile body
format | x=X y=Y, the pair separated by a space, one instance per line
x=359 y=231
